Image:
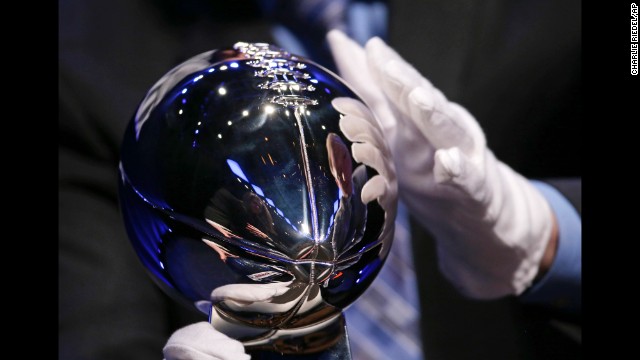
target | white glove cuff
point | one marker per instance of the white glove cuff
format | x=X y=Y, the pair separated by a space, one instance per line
x=495 y=249
x=491 y=242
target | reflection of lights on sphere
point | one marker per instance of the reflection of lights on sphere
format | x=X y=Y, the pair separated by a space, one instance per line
x=227 y=179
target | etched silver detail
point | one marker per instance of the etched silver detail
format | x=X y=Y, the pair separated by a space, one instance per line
x=283 y=71
x=260 y=50
x=293 y=100
x=286 y=85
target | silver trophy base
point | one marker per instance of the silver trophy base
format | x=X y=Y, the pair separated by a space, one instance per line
x=330 y=343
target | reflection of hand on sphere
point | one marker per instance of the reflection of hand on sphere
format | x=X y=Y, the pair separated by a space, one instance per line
x=340 y=163
x=361 y=126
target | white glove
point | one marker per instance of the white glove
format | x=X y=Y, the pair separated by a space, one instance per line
x=200 y=341
x=491 y=225
x=369 y=147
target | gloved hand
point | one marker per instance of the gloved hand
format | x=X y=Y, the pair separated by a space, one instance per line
x=490 y=224
x=200 y=341
x=359 y=126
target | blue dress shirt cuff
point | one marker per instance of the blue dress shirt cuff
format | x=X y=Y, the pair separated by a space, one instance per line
x=561 y=287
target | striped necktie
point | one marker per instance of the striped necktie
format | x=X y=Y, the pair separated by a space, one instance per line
x=384 y=323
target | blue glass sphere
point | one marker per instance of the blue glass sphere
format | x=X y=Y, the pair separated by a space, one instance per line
x=240 y=195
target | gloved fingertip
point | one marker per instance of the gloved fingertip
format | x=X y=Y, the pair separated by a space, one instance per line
x=377 y=53
x=351 y=106
x=347 y=129
x=373 y=189
x=335 y=33
x=366 y=197
x=336 y=36
x=375 y=43
x=356 y=152
x=338 y=104
x=343 y=104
